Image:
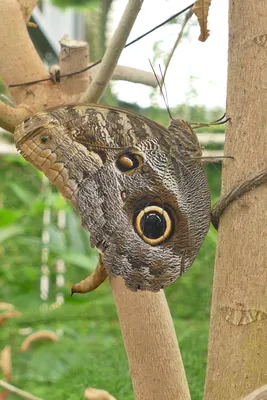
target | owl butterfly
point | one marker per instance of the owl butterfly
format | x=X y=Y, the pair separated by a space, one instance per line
x=139 y=188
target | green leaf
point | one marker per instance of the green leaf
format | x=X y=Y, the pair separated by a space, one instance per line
x=24 y=195
x=57 y=240
x=80 y=260
x=87 y=262
x=6 y=233
x=88 y=4
x=8 y=216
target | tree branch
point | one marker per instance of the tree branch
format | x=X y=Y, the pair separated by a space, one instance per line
x=16 y=47
x=112 y=54
x=123 y=73
x=18 y=392
x=19 y=62
x=153 y=353
x=10 y=117
x=74 y=55
x=135 y=75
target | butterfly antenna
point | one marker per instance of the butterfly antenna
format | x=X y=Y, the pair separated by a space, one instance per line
x=160 y=88
x=163 y=85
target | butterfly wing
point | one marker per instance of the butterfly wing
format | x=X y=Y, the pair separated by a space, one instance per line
x=145 y=204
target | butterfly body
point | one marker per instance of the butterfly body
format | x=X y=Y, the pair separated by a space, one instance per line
x=139 y=188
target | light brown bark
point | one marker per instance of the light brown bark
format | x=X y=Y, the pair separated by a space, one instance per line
x=238 y=335
x=10 y=117
x=26 y=7
x=21 y=63
x=74 y=56
x=134 y=75
x=154 y=358
x=19 y=59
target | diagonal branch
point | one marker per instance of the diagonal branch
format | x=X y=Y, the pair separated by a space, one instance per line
x=18 y=392
x=112 y=54
x=10 y=117
x=134 y=75
x=123 y=73
x=187 y=17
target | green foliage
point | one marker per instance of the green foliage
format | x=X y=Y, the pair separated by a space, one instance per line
x=85 y=4
x=90 y=351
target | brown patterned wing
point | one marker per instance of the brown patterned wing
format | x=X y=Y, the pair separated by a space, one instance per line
x=140 y=193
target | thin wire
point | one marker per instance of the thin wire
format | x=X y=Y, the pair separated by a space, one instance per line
x=99 y=61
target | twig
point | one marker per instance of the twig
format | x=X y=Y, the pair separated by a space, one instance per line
x=112 y=54
x=10 y=117
x=123 y=73
x=187 y=17
x=17 y=391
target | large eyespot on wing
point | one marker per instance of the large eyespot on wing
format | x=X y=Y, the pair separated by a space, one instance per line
x=154 y=224
x=128 y=161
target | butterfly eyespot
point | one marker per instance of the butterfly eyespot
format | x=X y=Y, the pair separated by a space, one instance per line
x=154 y=225
x=129 y=161
x=44 y=139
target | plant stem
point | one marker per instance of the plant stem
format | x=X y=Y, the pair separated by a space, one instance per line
x=17 y=391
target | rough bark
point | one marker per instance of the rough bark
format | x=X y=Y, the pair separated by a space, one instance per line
x=21 y=63
x=237 y=346
x=74 y=56
x=154 y=358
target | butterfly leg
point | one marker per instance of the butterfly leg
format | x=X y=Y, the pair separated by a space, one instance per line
x=219 y=121
x=92 y=281
x=213 y=159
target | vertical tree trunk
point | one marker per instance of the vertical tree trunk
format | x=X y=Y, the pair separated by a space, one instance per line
x=237 y=359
